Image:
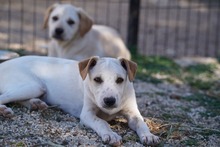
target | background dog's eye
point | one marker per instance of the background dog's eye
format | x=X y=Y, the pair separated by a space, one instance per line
x=119 y=80
x=98 y=80
x=55 y=18
x=70 y=22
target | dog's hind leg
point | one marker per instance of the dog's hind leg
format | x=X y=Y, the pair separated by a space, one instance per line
x=5 y=111
x=34 y=104
x=17 y=93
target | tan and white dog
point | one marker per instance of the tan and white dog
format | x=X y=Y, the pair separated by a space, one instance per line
x=94 y=90
x=73 y=35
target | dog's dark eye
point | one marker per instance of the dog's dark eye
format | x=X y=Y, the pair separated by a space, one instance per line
x=98 y=80
x=55 y=18
x=70 y=22
x=119 y=80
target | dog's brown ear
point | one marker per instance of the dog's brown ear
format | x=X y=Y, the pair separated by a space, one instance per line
x=85 y=22
x=86 y=65
x=130 y=67
x=47 y=15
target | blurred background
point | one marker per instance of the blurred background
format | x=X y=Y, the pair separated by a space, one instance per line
x=178 y=79
x=172 y=28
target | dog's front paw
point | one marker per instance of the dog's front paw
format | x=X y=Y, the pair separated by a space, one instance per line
x=112 y=138
x=149 y=139
x=5 y=111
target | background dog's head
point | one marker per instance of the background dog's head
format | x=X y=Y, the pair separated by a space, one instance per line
x=66 y=21
x=108 y=80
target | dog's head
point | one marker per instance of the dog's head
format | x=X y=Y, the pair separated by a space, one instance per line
x=66 y=21
x=108 y=80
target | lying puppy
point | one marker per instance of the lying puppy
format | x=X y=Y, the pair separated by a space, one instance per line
x=94 y=90
x=73 y=36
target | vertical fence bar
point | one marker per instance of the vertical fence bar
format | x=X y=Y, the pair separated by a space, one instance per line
x=108 y=13
x=119 y=18
x=133 y=25
x=145 y=36
x=22 y=23
x=207 y=41
x=84 y=4
x=34 y=25
x=188 y=21
x=157 y=9
x=96 y=9
x=177 y=27
x=167 y=27
x=217 y=47
x=198 y=28
x=46 y=33
x=9 y=23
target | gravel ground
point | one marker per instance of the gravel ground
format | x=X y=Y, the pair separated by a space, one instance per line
x=170 y=116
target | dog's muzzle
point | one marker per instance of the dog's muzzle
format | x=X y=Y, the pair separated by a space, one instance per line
x=58 y=33
x=109 y=102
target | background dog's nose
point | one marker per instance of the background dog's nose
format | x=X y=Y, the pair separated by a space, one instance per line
x=59 y=31
x=109 y=101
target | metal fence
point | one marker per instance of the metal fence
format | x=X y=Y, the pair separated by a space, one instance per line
x=180 y=27
x=166 y=27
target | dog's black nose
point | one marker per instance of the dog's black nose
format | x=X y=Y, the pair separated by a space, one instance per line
x=109 y=101
x=59 y=31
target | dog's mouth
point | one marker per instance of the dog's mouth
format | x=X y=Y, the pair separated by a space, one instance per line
x=109 y=110
x=109 y=107
x=58 y=37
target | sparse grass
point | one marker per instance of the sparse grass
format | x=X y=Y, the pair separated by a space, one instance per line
x=212 y=104
x=201 y=76
x=20 y=144
x=157 y=69
x=201 y=69
x=165 y=130
x=190 y=142
x=149 y=67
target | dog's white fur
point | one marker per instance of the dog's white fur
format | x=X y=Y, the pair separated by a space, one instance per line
x=81 y=39
x=79 y=88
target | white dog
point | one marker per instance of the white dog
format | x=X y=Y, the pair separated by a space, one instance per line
x=73 y=36
x=94 y=90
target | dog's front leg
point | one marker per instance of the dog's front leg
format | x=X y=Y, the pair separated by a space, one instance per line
x=101 y=127
x=136 y=123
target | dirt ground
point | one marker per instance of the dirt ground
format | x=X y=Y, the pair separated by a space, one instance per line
x=169 y=110
x=179 y=99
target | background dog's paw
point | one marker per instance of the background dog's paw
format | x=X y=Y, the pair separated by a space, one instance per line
x=149 y=139
x=5 y=111
x=112 y=138
x=37 y=104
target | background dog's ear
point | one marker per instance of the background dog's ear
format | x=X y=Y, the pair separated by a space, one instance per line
x=86 y=65
x=85 y=22
x=130 y=67
x=47 y=15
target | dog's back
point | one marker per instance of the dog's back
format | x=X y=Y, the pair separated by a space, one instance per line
x=30 y=77
x=111 y=42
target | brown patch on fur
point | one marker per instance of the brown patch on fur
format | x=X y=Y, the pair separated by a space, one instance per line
x=130 y=67
x=85 y=23
x=47 y=15
x=85 y=65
